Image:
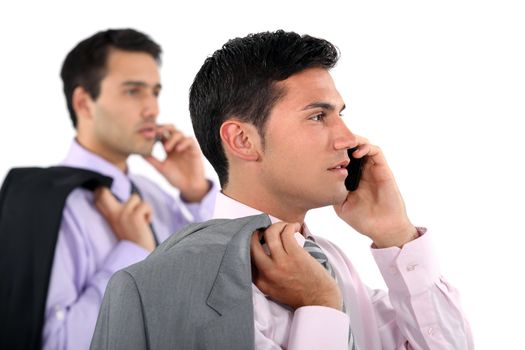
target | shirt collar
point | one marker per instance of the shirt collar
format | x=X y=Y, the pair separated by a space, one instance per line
x=229 y=208
x=80 y=157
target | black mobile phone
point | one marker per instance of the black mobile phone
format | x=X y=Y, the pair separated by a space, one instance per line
x=163 y=137
x=355 y=167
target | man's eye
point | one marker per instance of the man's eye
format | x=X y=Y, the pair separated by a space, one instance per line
x=133 y=92
x=318 y=117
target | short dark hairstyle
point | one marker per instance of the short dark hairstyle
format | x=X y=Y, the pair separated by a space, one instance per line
x=239 y=80
x=85 y=65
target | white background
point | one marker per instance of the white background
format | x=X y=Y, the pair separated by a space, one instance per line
x=439 y=85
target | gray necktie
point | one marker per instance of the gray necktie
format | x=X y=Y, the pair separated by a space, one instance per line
x=134 y=189
x=315 y=251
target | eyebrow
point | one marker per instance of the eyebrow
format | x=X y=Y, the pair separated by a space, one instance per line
x=141 y=84
x=323 y=105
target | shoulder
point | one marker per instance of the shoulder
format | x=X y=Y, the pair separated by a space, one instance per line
x=79 y=201
x=200 y=244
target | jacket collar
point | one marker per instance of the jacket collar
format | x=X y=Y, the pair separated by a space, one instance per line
x=234 y=278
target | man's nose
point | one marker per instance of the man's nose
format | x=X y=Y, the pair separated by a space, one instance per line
x=151 y=107
x=344 y=138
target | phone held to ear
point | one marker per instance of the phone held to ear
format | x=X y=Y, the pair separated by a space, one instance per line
x=161 y=137
x=355 y=167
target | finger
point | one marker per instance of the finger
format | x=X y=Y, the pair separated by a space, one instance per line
x=164 y=131
x=175 y=138
x=166 y=127
x=362 y=147
x=261 y=260
x=106 y=203
x=289 y=238
x=272 y=236
x=373 y=153
x=185 y=144
x=375 y=156
x=143 y=211
x=129 y=207
x=373 y=150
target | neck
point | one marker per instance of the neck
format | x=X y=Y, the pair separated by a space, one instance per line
x=263 y=201
x=118 y=160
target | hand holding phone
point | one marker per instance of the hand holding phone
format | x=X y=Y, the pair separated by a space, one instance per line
x=355 y=167
x=162 y=136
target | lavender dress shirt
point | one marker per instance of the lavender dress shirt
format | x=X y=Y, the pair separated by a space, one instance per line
x=420 y=311
x=88 y=253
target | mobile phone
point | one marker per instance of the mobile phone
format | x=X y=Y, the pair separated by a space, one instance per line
x=162 y=137
x=355 y=168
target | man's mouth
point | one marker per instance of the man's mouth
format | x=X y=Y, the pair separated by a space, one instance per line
x=340 y=171
x=340 y=168
x=341 y=165
x=148 y=132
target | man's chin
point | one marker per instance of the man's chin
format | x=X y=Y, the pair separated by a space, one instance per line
x=145 y=151
x=336 y=198
x=339 y=195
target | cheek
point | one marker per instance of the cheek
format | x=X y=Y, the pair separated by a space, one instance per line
x=295 y=164
x=118 y=117
x=294 y=152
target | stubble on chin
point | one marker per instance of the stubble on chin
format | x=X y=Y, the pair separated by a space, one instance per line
x=340 y=196
x=145 y=149
x=334 y=198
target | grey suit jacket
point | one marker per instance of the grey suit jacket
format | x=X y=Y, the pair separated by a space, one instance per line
x=193 y=292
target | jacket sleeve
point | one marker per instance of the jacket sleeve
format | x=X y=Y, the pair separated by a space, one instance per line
x=120 y=323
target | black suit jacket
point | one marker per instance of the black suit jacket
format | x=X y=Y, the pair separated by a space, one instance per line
x=31 y=205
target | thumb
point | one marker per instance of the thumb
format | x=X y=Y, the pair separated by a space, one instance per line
x=106 y=203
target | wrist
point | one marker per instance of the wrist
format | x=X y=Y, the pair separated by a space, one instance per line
x=195 y=192
x=330 y=298
x=396 y=239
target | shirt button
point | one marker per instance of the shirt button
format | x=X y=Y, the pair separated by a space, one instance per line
x=430 y=331
x=411 y=267
x=393 y=270
x=59 y=313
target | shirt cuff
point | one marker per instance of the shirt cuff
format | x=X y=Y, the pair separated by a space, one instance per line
x=203 y=210
x=411 y=269
x=319 y=327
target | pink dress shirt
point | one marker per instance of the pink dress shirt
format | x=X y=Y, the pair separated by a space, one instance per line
x=420 y=311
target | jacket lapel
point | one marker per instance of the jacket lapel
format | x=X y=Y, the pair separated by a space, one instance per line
x=231 y=293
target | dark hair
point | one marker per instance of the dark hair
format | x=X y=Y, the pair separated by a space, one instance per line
x=85 y=65
x=239 y=80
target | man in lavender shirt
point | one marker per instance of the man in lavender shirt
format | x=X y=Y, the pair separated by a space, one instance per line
x=112 y=83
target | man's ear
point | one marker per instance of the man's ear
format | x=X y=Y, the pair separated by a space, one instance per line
x=241 y=139
x=81 y=101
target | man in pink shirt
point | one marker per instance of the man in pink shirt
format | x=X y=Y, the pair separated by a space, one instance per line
x=268 y=117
